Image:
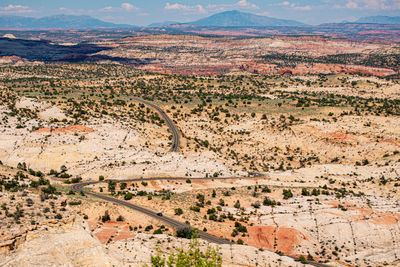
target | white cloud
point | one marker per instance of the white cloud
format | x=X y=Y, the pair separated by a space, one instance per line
x=186 y=8
x=303 y=8
x=15 y=9
x=107 y=8
x=351 y=4
x=287 y=4
x=128 y=7
x=241 y=4
x=177 y=6
x=373 y=4
x=246 y=4
x=124 y=7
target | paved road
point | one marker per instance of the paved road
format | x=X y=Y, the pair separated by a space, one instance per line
x=171 y=125
x=167 y=119
x=175 y=145
x=163 y=218
x=210 y=238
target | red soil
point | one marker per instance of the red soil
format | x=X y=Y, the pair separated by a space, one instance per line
x=363 y=211
x=264 y=237
x=391 y=141
x=155 y=185
x=333 y=203
x=367 y=214
x=68 y=129
x=315 y=69
x=114 y=230
x=384 y=219
x=375 y=32
x=105 y=234
x=225 y=33
x=341 y=136
x=203 y=183
x=334 y=136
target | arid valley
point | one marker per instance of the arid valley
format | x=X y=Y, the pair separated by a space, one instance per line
x=279 y=150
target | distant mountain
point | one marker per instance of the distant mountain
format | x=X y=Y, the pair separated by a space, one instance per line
x=380 y=20
x=57 y=21
x=163 y=24
x=236 y=18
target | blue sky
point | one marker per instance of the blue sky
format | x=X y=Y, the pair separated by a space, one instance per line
x=144 y=12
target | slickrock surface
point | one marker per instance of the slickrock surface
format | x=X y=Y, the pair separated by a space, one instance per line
x=72 y=245
x=127 y=252
x=68 y=245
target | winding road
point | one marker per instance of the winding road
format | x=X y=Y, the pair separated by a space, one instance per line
x=174 y=148
x=163 y=218
x=170 y=124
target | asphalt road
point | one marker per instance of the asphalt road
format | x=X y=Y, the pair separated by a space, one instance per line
x=163 y=218
x=167 y=119
x=171 y=125
x=174 y=148
x=174 y=223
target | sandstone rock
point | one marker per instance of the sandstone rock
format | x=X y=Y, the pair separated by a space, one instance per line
x=52 y=113
x=137 y=252
x=32 y=104
x=69 y=245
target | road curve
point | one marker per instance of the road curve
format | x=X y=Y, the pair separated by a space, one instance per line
x=167 y=119
x=174 y=223
x=170 y=124
x=163 y=218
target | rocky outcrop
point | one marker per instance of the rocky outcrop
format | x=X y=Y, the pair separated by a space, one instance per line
x=67 y=245
x=72 y=245
x=137 y=251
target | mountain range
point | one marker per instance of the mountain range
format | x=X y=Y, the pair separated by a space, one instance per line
x=380 y=20
x=232 y=18
x=57 y=21
x=236 y=18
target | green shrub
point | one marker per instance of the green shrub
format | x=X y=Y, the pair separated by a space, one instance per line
x=178 y=211
x=128 y=196
x=188 y=258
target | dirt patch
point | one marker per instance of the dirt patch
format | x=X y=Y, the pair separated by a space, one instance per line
x=155 y=185
x=334 y=137
x=384 y=219
x=225 y=33
x=391 y=141
x=363 y=212
x=335 y=204
x=288 y=239
x=111 y=230
x=332 y=203
x=124 y=233
x=264 y=237
x=104 y=234
x=203 y=183
x=338 y=136
x=68 y=129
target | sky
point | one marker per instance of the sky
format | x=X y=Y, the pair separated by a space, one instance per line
x=144 y=12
